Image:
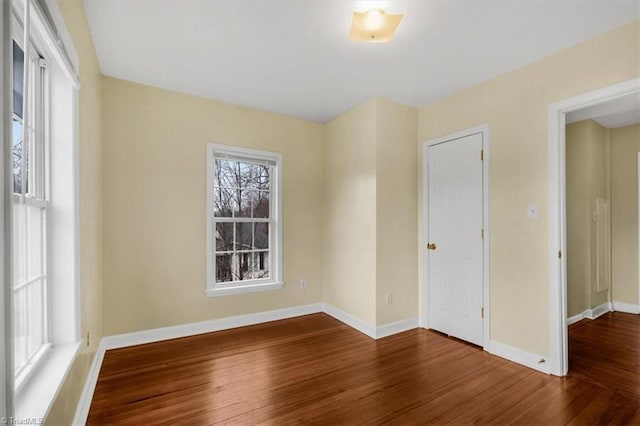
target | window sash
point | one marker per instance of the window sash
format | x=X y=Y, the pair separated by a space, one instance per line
x=271 y=220
x=30 y=287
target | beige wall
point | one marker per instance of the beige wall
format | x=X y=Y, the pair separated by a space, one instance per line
x=587 y=160
x=515 y=105
x=625 y=145
x=90 y=148
x=371 y=212
x=396 y=212
x=350 y=212
x=154 y=164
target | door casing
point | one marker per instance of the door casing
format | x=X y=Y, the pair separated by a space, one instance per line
x=424 y=318
x=558 y=212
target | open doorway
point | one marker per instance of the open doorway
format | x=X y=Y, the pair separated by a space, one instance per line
x=581 y=219
x=602 y=144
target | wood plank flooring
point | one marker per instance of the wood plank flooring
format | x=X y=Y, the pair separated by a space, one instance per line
x=314 y=369
x=607 y=351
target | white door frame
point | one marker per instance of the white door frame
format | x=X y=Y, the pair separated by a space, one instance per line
x=484 y=130
x=558 y=213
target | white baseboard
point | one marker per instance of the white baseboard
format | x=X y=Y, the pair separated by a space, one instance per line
x=82 y=411
x=626 y=307
x=574 y=319
x=365 y=328
x=350 y=320
x=396 y=327
x=591 y=314
x=520 y=356
x=598 y=311
x=192 y=329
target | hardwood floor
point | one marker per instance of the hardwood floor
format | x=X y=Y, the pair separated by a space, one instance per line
x=314 y=369
x=607 y=351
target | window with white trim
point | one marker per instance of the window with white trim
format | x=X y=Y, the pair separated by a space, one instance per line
x=244 y=224
x=44 y=255
x=30 y=205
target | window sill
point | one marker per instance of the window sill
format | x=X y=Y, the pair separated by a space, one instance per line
x=37 y=395
x=239 y=289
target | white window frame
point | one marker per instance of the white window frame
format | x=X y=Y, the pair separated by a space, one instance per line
x=33 y=397
x=275 y=231
x=39 y=181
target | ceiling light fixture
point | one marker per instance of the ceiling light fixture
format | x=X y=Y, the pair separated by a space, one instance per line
x=373 y=26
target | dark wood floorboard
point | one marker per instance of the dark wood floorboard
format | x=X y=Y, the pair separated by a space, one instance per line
x=316 y=370
x=606 y=351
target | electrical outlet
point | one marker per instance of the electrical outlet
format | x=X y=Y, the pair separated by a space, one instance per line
x=387 y=298
x=303 y=283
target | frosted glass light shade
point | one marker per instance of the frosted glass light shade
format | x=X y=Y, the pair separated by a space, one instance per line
x=373 y=26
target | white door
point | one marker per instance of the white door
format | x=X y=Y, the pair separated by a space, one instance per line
x=455 y=221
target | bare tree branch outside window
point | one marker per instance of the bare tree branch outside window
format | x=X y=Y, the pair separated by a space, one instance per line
x=242 y=191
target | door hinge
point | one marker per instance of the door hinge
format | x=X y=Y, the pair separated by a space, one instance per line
x=482 y=155
x=560 y=254
x=482 y=313
x=482 y=233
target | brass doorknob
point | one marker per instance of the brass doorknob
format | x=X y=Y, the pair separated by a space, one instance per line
x=431 y=246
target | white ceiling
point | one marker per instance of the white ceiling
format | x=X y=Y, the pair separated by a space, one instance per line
x=294 y=57
x=619 y=112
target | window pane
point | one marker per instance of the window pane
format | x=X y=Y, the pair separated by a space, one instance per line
x=261 y=204
x=35 y=335
x=224 y=236
x=17 y=156
x=244 y=237
x=34 y=241
x=224 y=174
x=246 y=201
x=18 y=79
x=223 y=268
x=225 y=202
x=243 y=270
x=19 y=329
x=261 y=265
x=261 y=236
x=259 y=177
x=243 y=174
x=19 y=244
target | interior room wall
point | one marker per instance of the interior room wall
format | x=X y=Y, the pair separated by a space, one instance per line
x=90 y=181
x=515 y=106
x=396 y=212
x=625 y=145
x=587 y=159
x=154 y=167
x=350 y=212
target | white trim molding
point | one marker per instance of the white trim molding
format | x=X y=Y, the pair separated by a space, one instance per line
x=486 y=221
x=352 y=321
x=591 y=314
x=192 y=329
x=396 y=327
x=520 y=356
x=598 y=311
x=557 y=213
x=628 y=308
x=84 y=404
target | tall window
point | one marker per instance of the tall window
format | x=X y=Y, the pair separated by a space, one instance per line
x=29 y=208
x=244 y=220
x=44 y=254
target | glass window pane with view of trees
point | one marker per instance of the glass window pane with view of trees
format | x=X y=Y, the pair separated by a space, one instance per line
x=242 y=215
